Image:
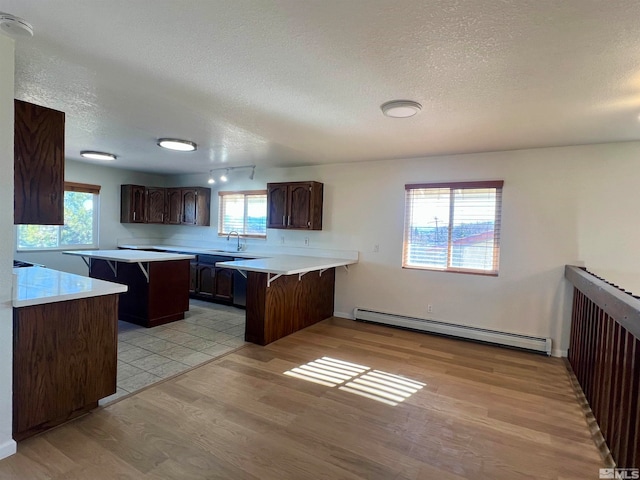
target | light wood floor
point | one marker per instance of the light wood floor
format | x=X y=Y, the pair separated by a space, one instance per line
x=482 y=413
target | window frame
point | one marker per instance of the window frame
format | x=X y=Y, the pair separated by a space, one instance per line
x=245 y=194
x=71 y=187
x=453 y=186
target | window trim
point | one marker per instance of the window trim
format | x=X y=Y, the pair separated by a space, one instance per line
x=71 y=187
x=244 y=193
x=498 y=185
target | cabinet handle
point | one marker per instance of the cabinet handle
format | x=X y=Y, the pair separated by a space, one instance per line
x=289 y=220
x=134 y=216
x=283 y=219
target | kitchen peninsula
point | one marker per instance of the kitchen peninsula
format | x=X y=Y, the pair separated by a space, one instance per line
x=65 y=331
x=287 y=293
x=158 y=282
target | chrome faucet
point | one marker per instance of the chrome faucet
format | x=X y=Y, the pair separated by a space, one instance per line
x=229 y=236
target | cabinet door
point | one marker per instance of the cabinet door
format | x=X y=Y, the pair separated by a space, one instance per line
x=299 y=206
x=174 y=206
x=206 y=281
x=38 y=165
x=189 y=207
x=203 y=207
x=132 y=203
x=156 y=200
x=224 y=284
x=277 y=205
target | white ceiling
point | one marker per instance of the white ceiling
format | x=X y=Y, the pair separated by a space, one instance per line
x=294 y=82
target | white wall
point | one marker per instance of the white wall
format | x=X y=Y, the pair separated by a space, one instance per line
x=111 y=229
x=7 y=445
x=560 y=206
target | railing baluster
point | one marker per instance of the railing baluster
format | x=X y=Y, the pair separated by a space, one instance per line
x=604 y=353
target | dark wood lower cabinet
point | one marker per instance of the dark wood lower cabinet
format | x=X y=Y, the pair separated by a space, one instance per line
x=287 y=305
x=64 y=361
x=159 y=299
x=208 y=282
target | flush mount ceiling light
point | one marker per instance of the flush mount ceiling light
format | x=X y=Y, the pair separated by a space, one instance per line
x=400 y=108
x=15 y=26
x=177 y=144
x=97 y=155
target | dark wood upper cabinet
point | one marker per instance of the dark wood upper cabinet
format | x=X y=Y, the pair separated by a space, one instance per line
x=38 y=165
x=156 y=202
x=295 y=205
x=132 y=204
x=175 y=206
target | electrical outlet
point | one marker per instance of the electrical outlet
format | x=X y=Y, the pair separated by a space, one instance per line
x=376 y=248
x=306 y=241
x=282 y=239
x=429 y=308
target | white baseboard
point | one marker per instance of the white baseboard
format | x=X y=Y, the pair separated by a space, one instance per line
x=7 y=448
x=344 y=315
x=559 y=353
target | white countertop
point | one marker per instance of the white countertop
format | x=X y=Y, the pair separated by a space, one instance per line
x=287 y=264
x=196 y=250
x=128 y=256
x=37 y=285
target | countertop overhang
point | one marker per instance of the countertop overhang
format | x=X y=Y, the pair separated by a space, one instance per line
x=38 y=285
x=129 y=256
x=286 y=264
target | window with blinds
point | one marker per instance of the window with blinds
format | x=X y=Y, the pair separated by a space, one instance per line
x=80 y=229
x=453 y=227
x=243 y=212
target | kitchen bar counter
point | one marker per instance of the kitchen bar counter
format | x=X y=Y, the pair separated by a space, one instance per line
x=38 y=285
x=158 y=282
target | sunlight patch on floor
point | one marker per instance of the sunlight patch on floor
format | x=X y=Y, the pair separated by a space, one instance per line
x=357 y=379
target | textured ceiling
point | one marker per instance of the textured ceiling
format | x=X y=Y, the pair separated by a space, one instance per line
x=283 y=83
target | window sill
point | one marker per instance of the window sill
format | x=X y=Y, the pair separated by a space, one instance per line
x=58 y=249
x=451 y=270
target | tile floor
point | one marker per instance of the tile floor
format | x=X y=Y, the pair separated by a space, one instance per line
x=147 y=355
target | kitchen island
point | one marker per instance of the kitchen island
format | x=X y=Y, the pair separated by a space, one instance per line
x=158 y=282
x=287 y=293
x=65 y=346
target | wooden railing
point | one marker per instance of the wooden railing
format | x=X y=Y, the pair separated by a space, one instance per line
x=604 y=353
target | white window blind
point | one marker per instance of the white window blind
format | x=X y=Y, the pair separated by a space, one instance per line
x=243 y=212
x=453 y=226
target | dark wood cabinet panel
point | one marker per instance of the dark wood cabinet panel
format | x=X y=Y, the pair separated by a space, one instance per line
x=206 y=281
x=203 y=207
x=289 y=304
x=295 y=205
x=224 y=284
x=189 y=206
x=174 y=206
x=38 y=165
x=156 y=202
x=132 y=204
x=64 y=361
x=277 y=206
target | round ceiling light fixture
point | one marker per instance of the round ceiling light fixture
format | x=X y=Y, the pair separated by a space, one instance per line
x=15 y=26
x=177 y=144
x=400 y=108
x=97 y=155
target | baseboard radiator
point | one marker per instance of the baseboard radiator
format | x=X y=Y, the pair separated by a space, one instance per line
x=536 y=344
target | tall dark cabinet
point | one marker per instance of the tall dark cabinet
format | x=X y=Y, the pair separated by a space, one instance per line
x=38 y=165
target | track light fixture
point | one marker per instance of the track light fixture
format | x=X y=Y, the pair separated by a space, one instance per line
x=225 y=173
